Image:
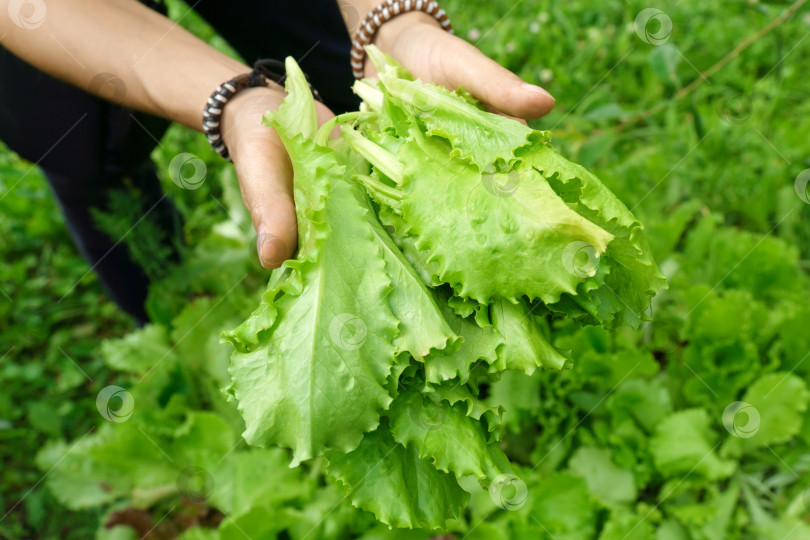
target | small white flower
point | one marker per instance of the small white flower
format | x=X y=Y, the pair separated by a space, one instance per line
x=546 y=76
x=473 y=34
x=534 y=27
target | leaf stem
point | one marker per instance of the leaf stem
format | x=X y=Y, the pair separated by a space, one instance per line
x=379 y=188
x=386 y=162
x=371 y=95
x=322 y=136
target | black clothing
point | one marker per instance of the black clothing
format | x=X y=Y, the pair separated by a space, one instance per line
x=87 y=146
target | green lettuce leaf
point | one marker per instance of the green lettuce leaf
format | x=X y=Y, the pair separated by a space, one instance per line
x=479 y=344
x=626 y=525
x=684 y=443
x=129 y=460
x=313 y=376
x=608 y=483
x=512 y=198
x=444 y=434
x=480 y=136
x=562 y=507
x=525 y=348
x=138 y=351
x=454 y=392
x=422 y=326
x=475 y=134
x=393 y=482
x=483 y=224
x=778 y=402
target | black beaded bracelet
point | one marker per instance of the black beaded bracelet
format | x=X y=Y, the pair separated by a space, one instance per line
x=260 y=76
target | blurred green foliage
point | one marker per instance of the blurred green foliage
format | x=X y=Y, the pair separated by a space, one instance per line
x=630 y=443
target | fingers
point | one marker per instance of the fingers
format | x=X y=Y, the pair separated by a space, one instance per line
x=466 y=66
x=265 y=178
x=432 y=54
x=492 y=109
x=264 y=171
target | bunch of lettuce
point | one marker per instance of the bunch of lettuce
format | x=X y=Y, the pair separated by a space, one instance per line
x=436 y=243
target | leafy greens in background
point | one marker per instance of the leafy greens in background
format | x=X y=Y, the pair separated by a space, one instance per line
x=732 y=326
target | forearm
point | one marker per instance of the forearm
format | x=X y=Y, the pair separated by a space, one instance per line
x=165 y=70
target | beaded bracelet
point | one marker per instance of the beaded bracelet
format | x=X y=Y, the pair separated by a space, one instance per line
x=260 y=76
x=383 y=13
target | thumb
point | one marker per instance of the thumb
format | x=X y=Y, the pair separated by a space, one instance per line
x=264 y=171
x=265 y=179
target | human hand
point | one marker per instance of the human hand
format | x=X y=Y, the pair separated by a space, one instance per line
x=264 y=170
x=416 y=41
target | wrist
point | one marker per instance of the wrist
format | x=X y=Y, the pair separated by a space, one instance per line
x=389 y=33
x=393 y=24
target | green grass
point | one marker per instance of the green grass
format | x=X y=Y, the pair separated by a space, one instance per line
x=711 y=175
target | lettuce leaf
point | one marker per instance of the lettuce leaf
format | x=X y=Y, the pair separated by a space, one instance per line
x=398 y=486
x=517 y=219
x=313 y=374
x=433 y=239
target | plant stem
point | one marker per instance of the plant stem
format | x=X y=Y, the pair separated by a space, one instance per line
x=704 y=75
x=386 y=162
x=379 y=188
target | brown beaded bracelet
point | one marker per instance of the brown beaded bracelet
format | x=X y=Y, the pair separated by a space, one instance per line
x=383 y=13
x=260 y=76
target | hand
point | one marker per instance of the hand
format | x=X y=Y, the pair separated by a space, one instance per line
x=416 y=41
x=264 y=171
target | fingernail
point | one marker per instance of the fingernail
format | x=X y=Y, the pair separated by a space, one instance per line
x=271 y=248
x=536 y=89
x=259 y=246
x=261 y=240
